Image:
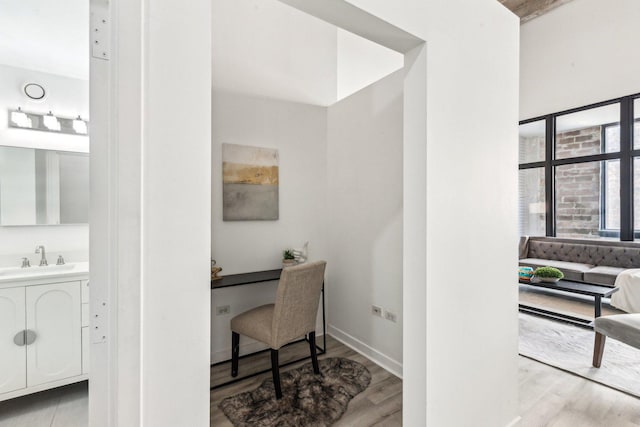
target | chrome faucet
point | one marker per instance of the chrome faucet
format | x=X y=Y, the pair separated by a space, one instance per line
x=43 y=260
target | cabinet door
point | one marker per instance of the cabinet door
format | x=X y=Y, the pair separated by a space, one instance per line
x=54 y=319
x=13 y=356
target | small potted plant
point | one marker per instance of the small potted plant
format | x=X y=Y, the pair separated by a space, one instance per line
x=288 y=258
x=548 y=274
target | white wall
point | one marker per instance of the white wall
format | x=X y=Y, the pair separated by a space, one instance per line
x=470 y=64
x=46 y=36
x=365 y=220
x=471 y=197
x=471 y=61
x=299 y=133
x=580 y=53
x=67 y=97
x=361 y=62
x=151 y=215
x=266 y=48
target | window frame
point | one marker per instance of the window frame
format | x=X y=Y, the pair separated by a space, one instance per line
x=625 y=155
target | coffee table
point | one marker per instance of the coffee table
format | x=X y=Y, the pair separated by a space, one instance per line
x=596 y=291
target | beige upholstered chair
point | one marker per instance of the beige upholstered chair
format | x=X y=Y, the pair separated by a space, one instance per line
x=291 y=317
x=621 y=327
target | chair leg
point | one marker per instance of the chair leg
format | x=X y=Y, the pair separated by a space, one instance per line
x=314 y=352
x=275 y=372
x=598 y=349
x=235 y=353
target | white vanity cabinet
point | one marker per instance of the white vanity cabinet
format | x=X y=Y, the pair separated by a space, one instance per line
x=53 y=319
x=13 y=363
x=42 y=327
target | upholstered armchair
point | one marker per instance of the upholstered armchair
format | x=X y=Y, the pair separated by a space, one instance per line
x=621 y=327
x=292 y=316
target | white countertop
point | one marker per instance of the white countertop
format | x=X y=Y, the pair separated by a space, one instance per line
x=37 y=274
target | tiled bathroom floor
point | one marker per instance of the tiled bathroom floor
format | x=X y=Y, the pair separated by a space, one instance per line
x=60 y=407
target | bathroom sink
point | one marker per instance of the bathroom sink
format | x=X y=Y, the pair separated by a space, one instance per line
x=17 y=271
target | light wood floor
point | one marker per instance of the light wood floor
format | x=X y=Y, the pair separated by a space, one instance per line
x=379 y=405
x=548 y=397
x=554 y=398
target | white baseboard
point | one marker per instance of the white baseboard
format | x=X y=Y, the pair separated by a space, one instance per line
x=370 y=353
x=515 y=422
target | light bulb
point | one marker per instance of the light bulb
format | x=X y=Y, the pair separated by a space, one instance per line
x=80 y=126
x=51 y=122
x=21 y=119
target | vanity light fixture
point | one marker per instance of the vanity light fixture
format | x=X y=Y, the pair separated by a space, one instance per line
x=51 y=122
x=21 y=119
x=80 y=126
x=47 y=122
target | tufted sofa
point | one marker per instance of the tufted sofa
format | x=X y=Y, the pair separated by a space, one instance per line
x=589 y=261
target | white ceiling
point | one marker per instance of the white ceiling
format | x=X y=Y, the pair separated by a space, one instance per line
x=260 y=47
x=46 y=35
x=269 y=49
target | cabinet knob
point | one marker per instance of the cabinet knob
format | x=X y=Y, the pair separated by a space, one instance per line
x=30 y=336
x=19 y=339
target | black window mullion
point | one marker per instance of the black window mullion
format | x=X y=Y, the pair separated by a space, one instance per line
x=533 y=165
x=626 y=169
x=549 y=176
x=586 y=159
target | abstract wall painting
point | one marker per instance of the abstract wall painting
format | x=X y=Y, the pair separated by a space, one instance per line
x=249 y=183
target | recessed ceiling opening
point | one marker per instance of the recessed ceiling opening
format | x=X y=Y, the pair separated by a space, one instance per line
x=269 y=49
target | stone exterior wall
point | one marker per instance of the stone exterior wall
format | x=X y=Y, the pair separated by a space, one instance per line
x=578 y=185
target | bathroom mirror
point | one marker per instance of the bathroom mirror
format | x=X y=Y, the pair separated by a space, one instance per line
x=43 y=187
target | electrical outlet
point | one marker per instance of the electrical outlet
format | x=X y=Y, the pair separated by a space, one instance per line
x=390 y=316
x=223 y=309
x=376 y=310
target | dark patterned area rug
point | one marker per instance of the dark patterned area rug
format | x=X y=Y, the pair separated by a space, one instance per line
x=307 y=399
